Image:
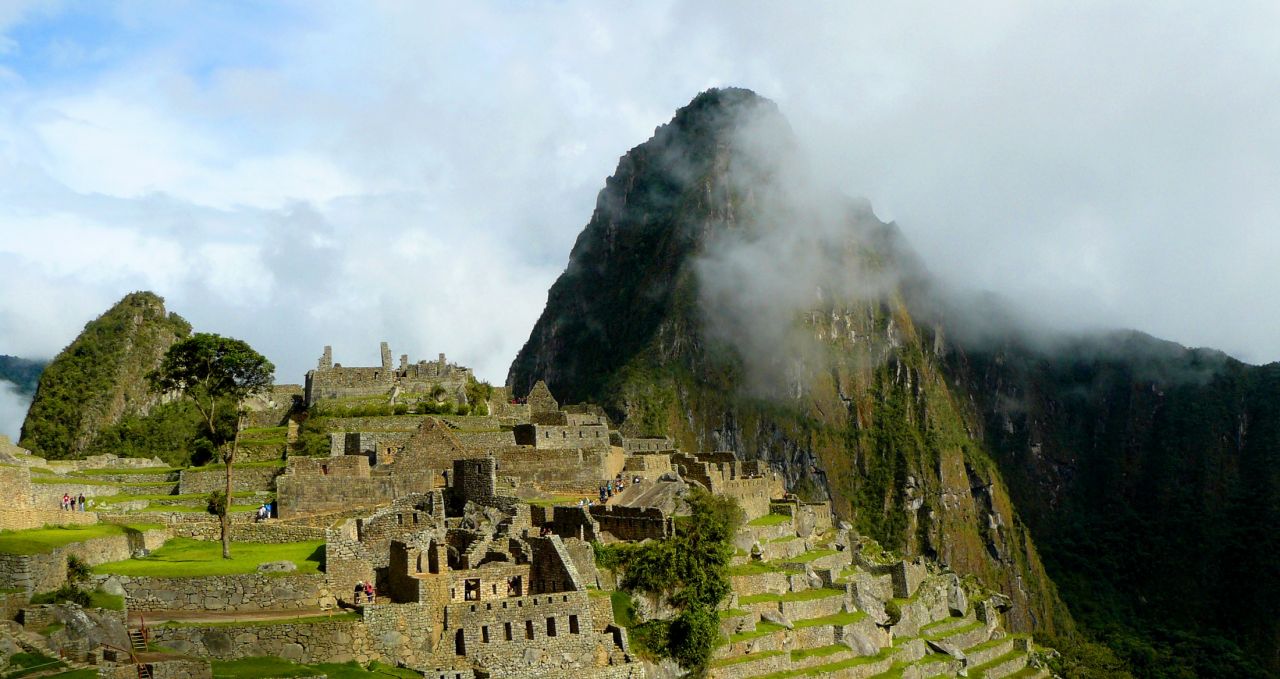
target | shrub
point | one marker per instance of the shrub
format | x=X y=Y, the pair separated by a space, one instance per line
x=217 y=503
x=77 y=569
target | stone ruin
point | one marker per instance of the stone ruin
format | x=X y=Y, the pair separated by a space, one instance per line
x=405 y=383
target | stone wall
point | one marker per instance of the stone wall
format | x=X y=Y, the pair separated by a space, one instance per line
x=485 y=440
x=221 y=593
x=243 y=479
x=269 y=532
x=49 y=495
x=560 y=470
x=336 y=641
x=16 y=482
x=22 y=519
x=48 y=571
x=632 y=523
x=299 y=495
x=562 y=437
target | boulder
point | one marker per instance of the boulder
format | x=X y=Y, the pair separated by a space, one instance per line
x=957 y=600
x=776 y=618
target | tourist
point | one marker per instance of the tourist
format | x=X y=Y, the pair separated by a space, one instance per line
x=66 y=502
x=371 y=591
x=81 y=502
x=358 y=590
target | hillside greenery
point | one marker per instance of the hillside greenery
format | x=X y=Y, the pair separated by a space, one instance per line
x=688 y=570
x=1165 y=489
x=98 y=378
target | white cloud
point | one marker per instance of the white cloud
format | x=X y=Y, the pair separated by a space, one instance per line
x=13 y=410
x=418 y=173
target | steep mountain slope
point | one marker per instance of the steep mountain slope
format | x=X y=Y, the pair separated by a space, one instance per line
x=1150 y=476
x=100 y=377
x=717 y=297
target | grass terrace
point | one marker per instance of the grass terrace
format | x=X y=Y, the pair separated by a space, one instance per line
x=770 y=520
x=44 y=540
x=266 y=667
x=763 y=628
x=750 y=657
x=836 y=619
x=343 y=616
x=184 y=557
x=218 y=466
x=138 y=471
x=807 y=595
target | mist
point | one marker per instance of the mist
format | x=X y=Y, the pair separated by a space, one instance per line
x=13 y=410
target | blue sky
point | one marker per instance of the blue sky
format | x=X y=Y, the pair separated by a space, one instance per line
x=302 y=174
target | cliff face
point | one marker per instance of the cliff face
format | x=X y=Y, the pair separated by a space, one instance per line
x=101 y=376
x=1150 y=475
x=715 y=298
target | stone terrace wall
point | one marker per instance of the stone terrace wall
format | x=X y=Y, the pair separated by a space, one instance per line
x=49 y=495
x=329 y=641
x=22 y=519
x=243 y=479
x=631 y=523
x=270 y=532
x=43 y=572
x=221 y=593
x=300 y=494
x=16 y=482
x=484 y=440
x=559 y=470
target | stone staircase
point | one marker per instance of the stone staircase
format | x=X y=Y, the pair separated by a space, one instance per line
x=795 y=613
x=34 y=643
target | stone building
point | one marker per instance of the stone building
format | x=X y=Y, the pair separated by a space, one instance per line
x=407 y=383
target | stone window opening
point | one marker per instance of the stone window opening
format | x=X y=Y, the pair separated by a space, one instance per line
x=551 y=627
x=484 y=634
x=528 y=629
x=573 y=624
x=472 y=589
x=495 y=589
x=515 y=586
x=506 y=631
x=459 y=643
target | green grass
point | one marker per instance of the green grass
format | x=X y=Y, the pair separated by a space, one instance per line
x=344 y=616
x=981 y=670
x=836 y=619
x=218 y=466
x=770 y=520
x=624 y=611
x=808 y=557
x=138 y=471
x=755 y=568
x=763 y=628
x=950 y=632
x=87 y=673
x=111 y=602
x=43 y=540
x=726 y=662
x=184 y=557
x=22 y=664
x=819 y=652
x=807 y=595
x=732 y=612
x=939 y=623
x=267 y=666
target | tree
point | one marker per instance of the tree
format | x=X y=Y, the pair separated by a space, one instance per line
x=690 y=569
x=215 y=372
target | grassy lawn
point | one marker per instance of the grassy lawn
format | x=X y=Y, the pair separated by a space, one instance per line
x=22 y=664
x=807 y=595
x=837 y=619
x=763 y=628
x=624 y=612
x=268 y=666
x=218 y=466
x=811 y=556
x=131 y=472
x=770 y=520
x=41 y=540
x=184 y=557
x=343 y=616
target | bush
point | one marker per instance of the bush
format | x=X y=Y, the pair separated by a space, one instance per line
x=77 y=569
x=66 y=593
x=217 y=503
x=402 y=409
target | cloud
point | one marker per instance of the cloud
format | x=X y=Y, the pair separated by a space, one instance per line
x=13 y=410
x=418 y=172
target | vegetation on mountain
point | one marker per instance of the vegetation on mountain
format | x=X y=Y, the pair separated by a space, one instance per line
x=99 y=378
x=1149 y=475
x=22 y=372
x=690 y=572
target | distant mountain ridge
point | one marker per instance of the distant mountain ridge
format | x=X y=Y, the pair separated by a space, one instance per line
x=24 y=373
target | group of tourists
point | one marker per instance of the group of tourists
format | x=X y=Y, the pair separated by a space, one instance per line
x=365 y=589
x=615 y=486
x=72 y=504
x=265 y=511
